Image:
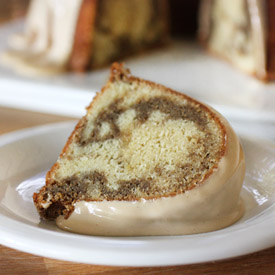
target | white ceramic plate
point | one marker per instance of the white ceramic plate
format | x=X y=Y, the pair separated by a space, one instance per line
x=26 y=155
x=182 y=66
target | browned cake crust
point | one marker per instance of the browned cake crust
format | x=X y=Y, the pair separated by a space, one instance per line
x=66 y=192
x=81 y=52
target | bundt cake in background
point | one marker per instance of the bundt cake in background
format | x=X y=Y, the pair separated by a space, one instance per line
x=78 y=35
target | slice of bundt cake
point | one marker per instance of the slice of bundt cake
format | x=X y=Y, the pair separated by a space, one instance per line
x=138 y=142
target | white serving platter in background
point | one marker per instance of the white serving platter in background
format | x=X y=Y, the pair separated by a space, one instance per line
x=182 y=66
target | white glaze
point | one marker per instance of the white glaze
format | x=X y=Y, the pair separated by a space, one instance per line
x=212 y=205
x=46 y=44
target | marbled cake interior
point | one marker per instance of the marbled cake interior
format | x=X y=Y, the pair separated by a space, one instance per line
x=136 y=141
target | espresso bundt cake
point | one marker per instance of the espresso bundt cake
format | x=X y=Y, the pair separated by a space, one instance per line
x=78 y=35
x=241 y=31
x=142 y=144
